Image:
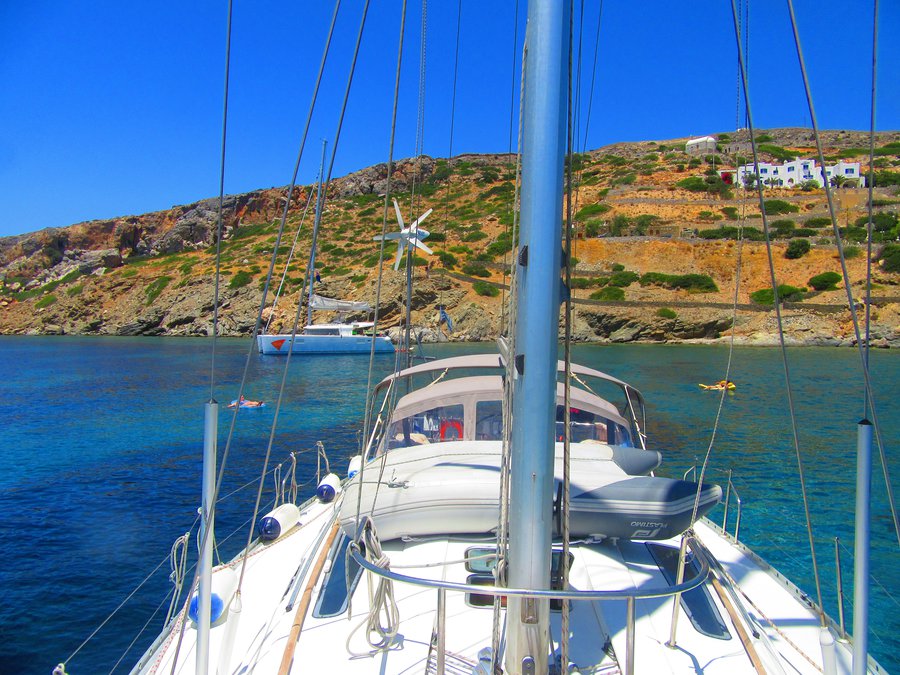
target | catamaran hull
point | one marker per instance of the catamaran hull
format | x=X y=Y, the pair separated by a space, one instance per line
x=323 y=344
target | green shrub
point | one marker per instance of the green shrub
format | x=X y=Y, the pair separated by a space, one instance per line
x=827 y=281
x=776 y=207
x=885 y=178
x=475 y=269
x=783 y=228
x=474 y=235
x=46 y=301
x=241 y=278
x=763 y=138
x=730 y=212
x=437 y=237
x=608 y=293
x=881 y=222
x=501 y=245
x=852 y=252
x=624 y=279
x=778 y=152
x=485 y=289
x=857 y=234
x=627 y=179
x=592 y=210
x=448 y=260
x=797 y=249
x=890 y=258
x=75 y=290
x=618 y=267
x=729 y=232
x=581 y=282
x=818 y=223
x=696 y=283
x=155 y=288
x=592 y=228
x=766 y=296
x=804 y=232
x=666 y=313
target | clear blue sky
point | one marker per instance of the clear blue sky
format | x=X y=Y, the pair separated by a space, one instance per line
x=112 y=108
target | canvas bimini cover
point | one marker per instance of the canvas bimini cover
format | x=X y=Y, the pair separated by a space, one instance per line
x=332 y=305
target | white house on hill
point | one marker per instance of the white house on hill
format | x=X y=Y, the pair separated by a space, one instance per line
x=699 y=146
x=792 y=174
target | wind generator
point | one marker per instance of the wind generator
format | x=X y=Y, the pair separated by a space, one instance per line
x=407 y=237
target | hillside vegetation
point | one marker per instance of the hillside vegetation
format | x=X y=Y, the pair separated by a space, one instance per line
x=656 y=248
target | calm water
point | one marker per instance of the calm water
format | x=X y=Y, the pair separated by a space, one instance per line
x=100 y=468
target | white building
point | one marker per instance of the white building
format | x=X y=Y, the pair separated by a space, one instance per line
x=699 y=146
x=792 y=174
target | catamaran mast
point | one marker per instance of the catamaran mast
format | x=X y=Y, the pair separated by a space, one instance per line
x=536 y=333
x=311 y=267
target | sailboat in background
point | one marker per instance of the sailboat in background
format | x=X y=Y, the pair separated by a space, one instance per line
x=504 y=513
x=335 y=337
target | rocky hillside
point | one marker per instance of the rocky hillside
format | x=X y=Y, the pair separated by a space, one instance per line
x=657 y=255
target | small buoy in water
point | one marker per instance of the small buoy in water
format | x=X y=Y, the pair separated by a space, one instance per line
x=354 y=466
x=224 y=584
x=329 y=487
x=278 y=521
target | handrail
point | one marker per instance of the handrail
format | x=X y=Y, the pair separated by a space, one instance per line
x=622 y=594
x=629 y=595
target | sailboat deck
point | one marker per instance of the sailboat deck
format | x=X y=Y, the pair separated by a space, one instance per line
x=280 y=573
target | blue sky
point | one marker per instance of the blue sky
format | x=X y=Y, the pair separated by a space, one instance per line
x=114 y=108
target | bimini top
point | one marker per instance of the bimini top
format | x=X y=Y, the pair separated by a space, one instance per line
x=494 y=361
x=489 y=388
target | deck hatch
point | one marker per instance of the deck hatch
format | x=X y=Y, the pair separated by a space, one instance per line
x=696 y=603
x=343 y=575
x=481 y=562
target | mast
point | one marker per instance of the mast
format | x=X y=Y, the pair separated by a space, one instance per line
x=311 y=267
x=536 y=333
x=207 y=529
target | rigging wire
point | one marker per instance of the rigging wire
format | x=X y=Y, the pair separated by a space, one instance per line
x=414 y=196
x=212 y=366
x=846 y=276
x=257 y=324
x=282 y=387
x=587 y=122
x=777 y=303
x=503 y=329
x=509 y=374
x=567 y=349
x=287 y=262
x=367 y=424
x=871 y=196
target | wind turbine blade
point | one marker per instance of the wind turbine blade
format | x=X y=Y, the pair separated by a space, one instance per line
x=399 y=255
x=390 y=236
x=422 y=247
x=418 y=220
x=399 y=216
x=422 y=234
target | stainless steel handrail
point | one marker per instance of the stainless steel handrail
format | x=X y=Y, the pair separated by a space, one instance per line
x=630 y=595
x=623 y=594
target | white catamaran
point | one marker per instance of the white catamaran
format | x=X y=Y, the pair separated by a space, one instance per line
x=504 y=516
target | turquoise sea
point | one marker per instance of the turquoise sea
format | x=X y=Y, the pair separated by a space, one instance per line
x=102 y=438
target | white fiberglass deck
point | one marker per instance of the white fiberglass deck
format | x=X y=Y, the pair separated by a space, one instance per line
x=278 y=574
